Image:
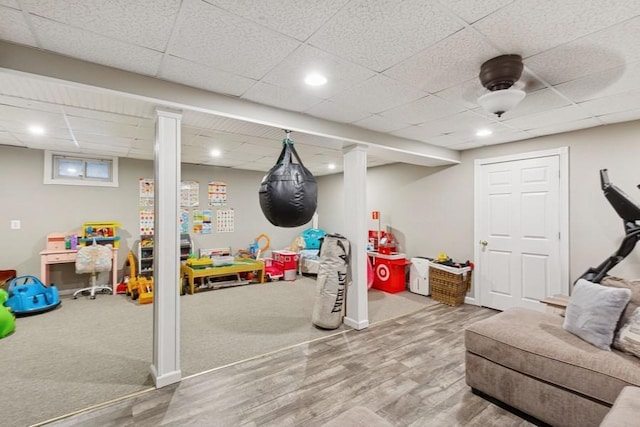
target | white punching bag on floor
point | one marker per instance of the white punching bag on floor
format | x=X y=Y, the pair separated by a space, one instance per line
x=332 y=282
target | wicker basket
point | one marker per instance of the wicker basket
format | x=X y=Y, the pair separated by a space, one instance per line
x=448 y=288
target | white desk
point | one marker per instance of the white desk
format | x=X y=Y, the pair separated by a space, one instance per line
x=63 y=256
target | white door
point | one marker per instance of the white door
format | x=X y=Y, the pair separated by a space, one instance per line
x=519 y=230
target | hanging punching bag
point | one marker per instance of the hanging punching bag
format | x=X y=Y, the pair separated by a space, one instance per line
x=288 y=192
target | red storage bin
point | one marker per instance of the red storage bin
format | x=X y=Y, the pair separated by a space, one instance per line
x=389 y=272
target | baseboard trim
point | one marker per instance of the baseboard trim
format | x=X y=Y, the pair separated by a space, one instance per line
x=165 y=379
x=352 y=323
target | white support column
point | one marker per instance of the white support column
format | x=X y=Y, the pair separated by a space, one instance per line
x=166 y=255
x=355 y=223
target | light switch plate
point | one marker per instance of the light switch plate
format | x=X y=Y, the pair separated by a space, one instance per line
x=15 y=224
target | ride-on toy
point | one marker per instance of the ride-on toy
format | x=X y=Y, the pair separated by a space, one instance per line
x=139 y=287
x=28 y=295
x=7 y=320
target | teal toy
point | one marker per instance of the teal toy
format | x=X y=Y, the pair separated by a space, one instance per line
x=7 y=320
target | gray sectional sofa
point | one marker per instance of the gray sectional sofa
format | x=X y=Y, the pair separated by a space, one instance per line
x=527 y=360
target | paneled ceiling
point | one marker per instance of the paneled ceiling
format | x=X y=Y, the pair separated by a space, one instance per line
x=407 y=70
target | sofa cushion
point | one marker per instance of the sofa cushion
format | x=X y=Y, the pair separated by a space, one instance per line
x=625 y=410
x=593 y=312
x=536 y=345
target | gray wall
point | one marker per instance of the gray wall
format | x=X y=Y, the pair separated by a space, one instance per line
x=44 y=209
x=431 y=209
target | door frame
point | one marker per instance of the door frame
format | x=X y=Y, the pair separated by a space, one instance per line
x=563 y=153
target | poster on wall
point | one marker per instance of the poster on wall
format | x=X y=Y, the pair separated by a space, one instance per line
x=202 y=221
x=224 y=221
x=189 y=194
x=217 y=193
x=146 y=221
x=146 y=192
x=184 y=221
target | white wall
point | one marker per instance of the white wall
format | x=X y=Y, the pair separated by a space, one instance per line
x=431 y=209
x=44 y=209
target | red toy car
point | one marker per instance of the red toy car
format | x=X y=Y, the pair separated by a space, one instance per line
x=272 y=270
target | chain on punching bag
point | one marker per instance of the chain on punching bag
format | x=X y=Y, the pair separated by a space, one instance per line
x=288 y=192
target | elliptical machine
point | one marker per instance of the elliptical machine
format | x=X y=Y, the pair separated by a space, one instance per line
x=629 y=211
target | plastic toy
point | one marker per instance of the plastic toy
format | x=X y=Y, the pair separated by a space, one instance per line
x=138 y=287
x=273 y=270
x=7 y=319
x=28 y=295
x=255 y=249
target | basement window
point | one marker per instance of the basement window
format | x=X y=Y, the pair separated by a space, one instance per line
x=79 y=169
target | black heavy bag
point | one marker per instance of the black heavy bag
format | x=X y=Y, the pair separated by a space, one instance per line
x=288 y=192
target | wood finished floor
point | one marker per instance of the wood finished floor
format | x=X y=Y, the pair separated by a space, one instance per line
x=410 y=371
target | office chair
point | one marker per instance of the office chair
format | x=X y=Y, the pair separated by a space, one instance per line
x=91 y=260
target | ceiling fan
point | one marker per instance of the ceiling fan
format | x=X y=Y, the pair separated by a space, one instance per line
x=499 y=75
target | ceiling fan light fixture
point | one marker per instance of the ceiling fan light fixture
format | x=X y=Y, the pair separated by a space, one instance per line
x=499 y=102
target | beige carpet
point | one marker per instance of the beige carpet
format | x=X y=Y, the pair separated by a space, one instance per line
x=88 y=352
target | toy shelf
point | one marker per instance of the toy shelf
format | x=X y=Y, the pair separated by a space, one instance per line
x=102 y=232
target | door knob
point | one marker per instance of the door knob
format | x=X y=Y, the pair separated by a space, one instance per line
x=484 y=242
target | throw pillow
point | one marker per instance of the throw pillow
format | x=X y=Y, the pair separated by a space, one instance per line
x=593 y=312
x=628 y=339
x=634 y=302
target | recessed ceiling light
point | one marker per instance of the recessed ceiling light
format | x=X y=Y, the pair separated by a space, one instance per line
x=483 y=132
x=215 y=152
x=36 y=130
x=331 y=166
x=315 y=79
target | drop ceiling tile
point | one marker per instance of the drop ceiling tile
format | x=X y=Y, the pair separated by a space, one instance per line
x=465 y=121
x=445 y=140
x=6 y=138
x=148 y=134
x=464 y=94
x=566 y=127
x=10 y=3
x=379 y=124
x=27 y=117
x=337 y=112
x=526 y=28
x=14 y=28
x=378 y=94
x=548 y=118
x=625 y=116
x=605 y=83
x=104 y=116
x=298 y=19
x=286 y=99
x=466 y=146
x=101 y=149
x=200 y=76
x=422 y=110
x=341 y=74
x=507 y=137
x=581 y=58
x=379 y=34
x=128 y=21
x=606 y=49
x=436 y=68
x=92 y=138
x=145 y=145
x=141 y=153
x=418 y=133
x=612 y=104
x=472 y=10
x=91 y=47
x=36 y=141
x=536 y=102
x=214 y=37
x=99 y=127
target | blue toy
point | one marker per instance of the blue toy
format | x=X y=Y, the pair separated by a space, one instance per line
x=312 y=237
x=27 y=295
x=7 y=320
